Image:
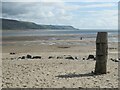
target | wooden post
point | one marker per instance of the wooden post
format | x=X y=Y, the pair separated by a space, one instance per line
x=101 y=53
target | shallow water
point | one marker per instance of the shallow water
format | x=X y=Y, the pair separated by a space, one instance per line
x=83 y=33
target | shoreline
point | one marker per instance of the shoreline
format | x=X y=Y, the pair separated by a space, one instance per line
x=51 y=37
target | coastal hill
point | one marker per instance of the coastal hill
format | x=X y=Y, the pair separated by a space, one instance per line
x=9 y=24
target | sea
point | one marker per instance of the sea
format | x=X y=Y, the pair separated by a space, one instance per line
x=112 y=34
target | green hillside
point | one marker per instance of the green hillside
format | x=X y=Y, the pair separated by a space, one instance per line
x=8 y=24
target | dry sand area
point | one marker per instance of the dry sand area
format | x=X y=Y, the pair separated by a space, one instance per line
x=53 y=69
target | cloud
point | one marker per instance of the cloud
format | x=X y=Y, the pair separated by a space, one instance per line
x=32 y=1
x=13 y=8
x=107 y=19
x=60 y=1
x=100 y=5
x=20 y=0
x=80 y=15
x=93 y=0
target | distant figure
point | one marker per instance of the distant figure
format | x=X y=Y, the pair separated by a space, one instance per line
x=81 y=38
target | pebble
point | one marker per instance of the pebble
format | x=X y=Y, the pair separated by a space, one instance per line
x=107 y=80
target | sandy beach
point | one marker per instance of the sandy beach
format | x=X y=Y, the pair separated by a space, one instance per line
x=62 y=62
x=50 y=44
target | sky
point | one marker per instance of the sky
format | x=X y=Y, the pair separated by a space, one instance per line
x=87 y=14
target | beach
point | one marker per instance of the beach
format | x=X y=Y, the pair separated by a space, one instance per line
x=59 y=62
x=59 y=44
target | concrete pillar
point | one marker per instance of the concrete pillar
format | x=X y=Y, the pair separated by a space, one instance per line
x=101 y=53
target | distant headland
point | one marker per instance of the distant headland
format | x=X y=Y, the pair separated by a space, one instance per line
x=9 y=24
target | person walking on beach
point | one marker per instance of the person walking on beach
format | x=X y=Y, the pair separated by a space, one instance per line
x=81 y=38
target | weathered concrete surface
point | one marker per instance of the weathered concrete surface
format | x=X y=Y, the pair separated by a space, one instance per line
x=101 y=53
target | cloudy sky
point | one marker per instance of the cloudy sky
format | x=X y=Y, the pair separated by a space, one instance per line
x=89 y=14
